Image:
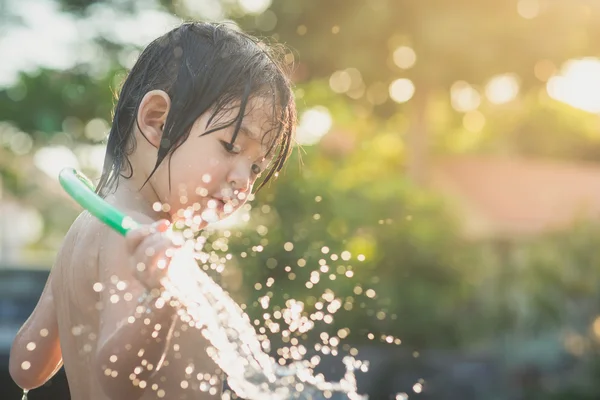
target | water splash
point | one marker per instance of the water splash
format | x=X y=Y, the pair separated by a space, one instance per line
x=235 y=347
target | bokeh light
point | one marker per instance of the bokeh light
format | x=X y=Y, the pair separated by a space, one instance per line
x=208 y=9
x=578 y=84
x=502 y=88
x=401 y=90
x=97 y=129
x=255 y=6
x=405 y=57
x=51 y=160
x=314 y=123
x=464 y=97
x=340 y=81
x=528 y=9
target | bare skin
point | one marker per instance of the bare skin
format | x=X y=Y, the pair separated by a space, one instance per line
x=78 y=324
x=98 y=313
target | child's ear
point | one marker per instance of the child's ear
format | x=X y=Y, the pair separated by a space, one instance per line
x=152 y=115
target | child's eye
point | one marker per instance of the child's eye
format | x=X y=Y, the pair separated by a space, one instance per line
x=230 y=148
x=256 y=169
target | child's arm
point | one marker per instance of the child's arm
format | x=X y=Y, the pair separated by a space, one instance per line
x=35 y=354
x=130 y=344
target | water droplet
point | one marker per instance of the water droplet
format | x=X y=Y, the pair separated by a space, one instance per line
x=77 y=330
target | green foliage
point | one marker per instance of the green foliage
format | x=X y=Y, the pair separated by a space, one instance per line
x=413 y=260
x=39 y=103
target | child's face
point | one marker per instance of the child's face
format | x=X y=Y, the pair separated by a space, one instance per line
x=209 y=177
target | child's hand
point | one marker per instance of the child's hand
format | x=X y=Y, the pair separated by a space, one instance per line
x=150 y=251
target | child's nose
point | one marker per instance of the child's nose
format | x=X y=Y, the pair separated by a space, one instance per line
x=239 y=179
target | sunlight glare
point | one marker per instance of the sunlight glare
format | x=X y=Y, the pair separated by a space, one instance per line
x=402 y=90
x=502 y=88
x=405 y=57
x=464 y=97
x=255 y=6
x=578 y=84
x=314 y=124
x=51 y=160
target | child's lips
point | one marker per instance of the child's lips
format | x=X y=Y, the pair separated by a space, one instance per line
x=220 y=205
x=216 y=203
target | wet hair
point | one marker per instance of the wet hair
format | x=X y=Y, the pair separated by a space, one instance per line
x=202 y=67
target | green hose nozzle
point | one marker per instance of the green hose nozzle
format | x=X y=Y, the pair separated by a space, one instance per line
x=81 y=189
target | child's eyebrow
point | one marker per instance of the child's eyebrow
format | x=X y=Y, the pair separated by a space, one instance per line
x=248 y=132
x=253 y=136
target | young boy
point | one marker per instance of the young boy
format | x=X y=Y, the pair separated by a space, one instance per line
x=202 y=113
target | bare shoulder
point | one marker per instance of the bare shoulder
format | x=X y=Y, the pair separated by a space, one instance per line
x=82 y=240
x=76 y=267
x=112 y=250
x=90 y=234
x=91 y=253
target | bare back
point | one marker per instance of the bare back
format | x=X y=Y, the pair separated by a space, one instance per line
x=186 y=373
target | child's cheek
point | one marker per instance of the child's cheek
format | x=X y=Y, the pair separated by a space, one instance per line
x=214 y=162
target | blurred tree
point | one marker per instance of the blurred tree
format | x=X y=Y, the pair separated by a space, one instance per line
x=433 y=44
x=53 y=96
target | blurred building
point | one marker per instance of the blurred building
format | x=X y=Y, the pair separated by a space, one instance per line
x=509 y=197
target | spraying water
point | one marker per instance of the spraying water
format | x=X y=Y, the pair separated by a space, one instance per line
x=251 y=373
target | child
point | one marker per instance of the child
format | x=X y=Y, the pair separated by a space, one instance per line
x=204 y=111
